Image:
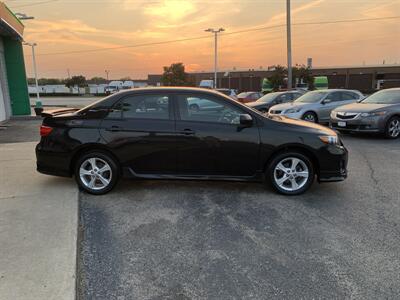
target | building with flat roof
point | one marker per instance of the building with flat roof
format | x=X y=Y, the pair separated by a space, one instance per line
x=364 y=78
x=14 y=98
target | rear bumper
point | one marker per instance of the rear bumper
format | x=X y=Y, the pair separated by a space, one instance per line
x=52 y=163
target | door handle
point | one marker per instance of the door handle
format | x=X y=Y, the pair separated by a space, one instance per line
x=114 y=128
x=187 y=132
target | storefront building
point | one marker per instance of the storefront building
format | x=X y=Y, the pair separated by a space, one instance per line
x=14 y=98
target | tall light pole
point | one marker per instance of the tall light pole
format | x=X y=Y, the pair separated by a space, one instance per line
x=289 y=45
x=107 y=72
x=23 y=16
x=215 y=51
x=33 y=45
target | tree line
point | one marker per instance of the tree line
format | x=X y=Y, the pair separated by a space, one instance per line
x=175 y=75
x=78 y=80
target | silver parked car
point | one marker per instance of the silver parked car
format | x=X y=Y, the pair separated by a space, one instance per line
x=379 y=112
x=267 y=101
x=316 y=106
x=198 y=104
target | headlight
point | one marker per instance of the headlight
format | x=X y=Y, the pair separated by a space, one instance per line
x=292 y=110
x=333 y=114
x=373 y=114
x=329 y=139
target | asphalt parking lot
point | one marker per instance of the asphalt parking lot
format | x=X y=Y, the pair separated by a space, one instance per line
x=223 y=240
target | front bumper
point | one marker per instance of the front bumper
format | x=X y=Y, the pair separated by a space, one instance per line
x=333 y=166
x=52 y=163
x=297 y=115
x=368 y=124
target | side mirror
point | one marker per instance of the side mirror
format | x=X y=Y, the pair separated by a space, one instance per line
x=246 y=120
x=326 y=101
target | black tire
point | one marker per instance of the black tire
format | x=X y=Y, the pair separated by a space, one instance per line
x=101 y=156
x=389 y=134
x=310 y=117
x=270 y=174
x=194 y=107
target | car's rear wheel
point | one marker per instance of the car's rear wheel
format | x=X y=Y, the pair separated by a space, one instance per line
x=392 y=130
x=96 y=173
x=291 y=173
x=310 y=117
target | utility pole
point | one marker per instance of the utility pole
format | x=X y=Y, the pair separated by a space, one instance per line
x=69 y=75
x=107 y=72
x=215 y=51
x=33 y=45
x=289 y=45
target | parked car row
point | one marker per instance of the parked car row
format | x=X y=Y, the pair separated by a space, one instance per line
x=344 y=110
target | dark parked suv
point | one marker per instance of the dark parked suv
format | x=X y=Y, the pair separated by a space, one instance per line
x=152 y=133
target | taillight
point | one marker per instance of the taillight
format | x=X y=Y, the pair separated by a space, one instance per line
x=45 y=130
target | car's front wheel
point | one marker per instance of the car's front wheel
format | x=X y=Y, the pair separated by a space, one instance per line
x=393 y=128
x=291 y=173
x=310 y=117
x=96 y=173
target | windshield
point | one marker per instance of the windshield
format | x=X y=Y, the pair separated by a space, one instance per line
x=267 y=98
x=384 y=97
x=311 y=97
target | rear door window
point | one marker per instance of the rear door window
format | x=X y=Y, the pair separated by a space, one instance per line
x=335 y=96
x=350 y=96
x=155 y=106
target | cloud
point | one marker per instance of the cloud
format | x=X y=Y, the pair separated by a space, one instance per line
x=279 y=18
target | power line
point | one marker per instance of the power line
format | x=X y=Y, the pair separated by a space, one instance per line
x=207 y=37
x=34 y=4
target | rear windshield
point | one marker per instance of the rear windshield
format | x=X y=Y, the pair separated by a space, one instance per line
x=384 y=97
x=311 y=97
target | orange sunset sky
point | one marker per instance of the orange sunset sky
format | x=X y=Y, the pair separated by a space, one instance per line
x=64 y=29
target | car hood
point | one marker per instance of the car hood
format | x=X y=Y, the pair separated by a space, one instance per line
x=304 y=124
x=362 y=107
x=257 y=104
x=286 y=106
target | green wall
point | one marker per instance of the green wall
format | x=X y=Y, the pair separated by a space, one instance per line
x=16 y=76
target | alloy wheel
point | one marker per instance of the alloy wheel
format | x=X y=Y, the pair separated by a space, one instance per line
x=309 y=118
x=95 y=173
x=394 y=128
x=291 y=174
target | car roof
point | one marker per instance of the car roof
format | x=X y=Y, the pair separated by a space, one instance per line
x=391 y=89
x=170 y=89
x=336 y=90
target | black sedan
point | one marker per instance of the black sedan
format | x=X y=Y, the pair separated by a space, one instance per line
x=267 y=101
x=152 y=133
